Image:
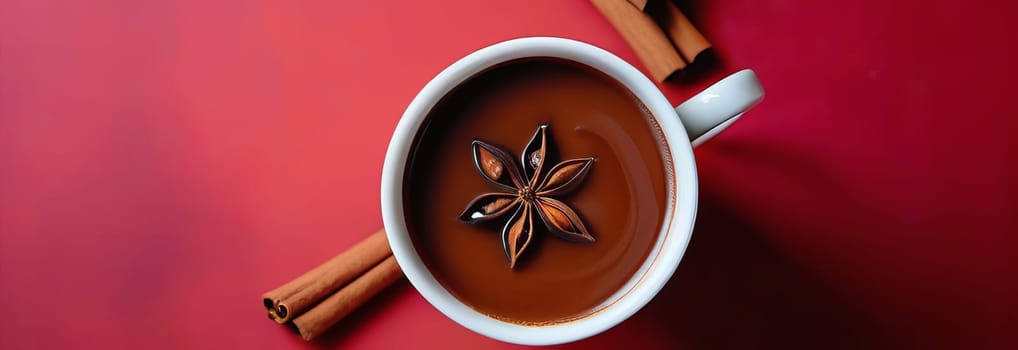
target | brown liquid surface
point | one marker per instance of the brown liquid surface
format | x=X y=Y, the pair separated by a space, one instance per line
x=622 y=201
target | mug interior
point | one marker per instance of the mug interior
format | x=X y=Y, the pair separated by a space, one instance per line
x=660 y=263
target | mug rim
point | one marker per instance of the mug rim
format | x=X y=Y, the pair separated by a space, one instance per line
x=659 y=265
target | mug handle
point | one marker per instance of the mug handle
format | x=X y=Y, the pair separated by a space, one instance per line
x=717 y=107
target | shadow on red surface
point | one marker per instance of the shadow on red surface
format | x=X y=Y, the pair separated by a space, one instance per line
x=733 y=291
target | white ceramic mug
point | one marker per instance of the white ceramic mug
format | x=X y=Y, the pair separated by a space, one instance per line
x=684 y=127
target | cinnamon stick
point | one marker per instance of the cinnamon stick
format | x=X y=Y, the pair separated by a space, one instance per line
x=661 y=35
x=649 y=42
x=680 y=30
x=294 y=298
x=347 y=299
x=640 y=4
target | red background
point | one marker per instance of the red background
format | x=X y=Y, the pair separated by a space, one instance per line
x=163 y=163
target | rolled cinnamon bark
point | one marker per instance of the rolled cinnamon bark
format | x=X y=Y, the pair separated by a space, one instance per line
x=640 y=4
x=660 y=34
x=292 y=299
x=680 y=30
x=349 y=298
x=649 y=42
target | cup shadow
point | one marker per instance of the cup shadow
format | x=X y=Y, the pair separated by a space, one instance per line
x=734 y=290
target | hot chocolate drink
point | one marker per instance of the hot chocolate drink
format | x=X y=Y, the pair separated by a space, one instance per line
x=536 y=190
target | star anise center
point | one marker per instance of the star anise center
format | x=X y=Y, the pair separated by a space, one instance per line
x=527 y=194
x=526 y=190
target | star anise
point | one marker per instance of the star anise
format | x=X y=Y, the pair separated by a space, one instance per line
x=527 y=191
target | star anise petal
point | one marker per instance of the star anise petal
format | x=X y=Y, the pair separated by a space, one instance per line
x=517 y=233
x=533 y=156
x=562 y=220
x=488 y=206
x=565 y=176
x=497 y=166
